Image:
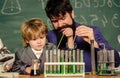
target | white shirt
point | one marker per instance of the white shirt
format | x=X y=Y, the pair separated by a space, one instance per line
x=37 y=53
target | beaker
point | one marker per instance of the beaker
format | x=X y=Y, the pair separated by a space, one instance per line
x=11 y=7
x=35 y=67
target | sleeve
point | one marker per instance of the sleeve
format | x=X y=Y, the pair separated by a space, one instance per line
x=51 y=37
x=100 y=39
x=19 y=65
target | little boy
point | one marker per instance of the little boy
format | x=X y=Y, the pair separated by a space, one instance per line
x=34 y=33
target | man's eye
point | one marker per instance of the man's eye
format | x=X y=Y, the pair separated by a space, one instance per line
x=55 y=21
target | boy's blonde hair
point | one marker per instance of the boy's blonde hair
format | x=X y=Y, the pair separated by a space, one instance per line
x=33 y=29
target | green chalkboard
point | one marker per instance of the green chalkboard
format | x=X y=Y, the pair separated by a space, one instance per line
x=104 y=14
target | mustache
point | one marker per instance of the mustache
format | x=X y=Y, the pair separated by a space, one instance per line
x=66 y=26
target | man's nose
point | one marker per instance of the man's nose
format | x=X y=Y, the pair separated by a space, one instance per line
x=60 y=23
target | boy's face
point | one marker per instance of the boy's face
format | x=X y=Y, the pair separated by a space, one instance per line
x=38 y=44
x=62 y=22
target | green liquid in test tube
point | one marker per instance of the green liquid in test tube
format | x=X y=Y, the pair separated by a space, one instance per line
x=62 y=60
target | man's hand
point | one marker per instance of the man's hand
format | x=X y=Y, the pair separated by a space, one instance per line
x=68 y=32
x=86 y=33
x=7 y=67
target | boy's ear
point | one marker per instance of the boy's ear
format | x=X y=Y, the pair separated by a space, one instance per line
x=27 y=41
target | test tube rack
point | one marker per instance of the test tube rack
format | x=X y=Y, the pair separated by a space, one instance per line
x=106 y=62
x=64 y=63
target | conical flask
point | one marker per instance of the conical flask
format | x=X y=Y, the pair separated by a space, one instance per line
x=11 y=7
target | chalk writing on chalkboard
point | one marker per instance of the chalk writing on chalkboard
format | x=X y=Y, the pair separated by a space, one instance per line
x=94 y=18
x=89 y=3
x=96 y=3
x=104 y=14
x=95 y=12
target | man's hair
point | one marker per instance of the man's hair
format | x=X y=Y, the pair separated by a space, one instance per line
x=57 y=7
x=32 y=29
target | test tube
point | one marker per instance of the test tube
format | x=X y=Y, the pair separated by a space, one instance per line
x=78 y=60
x=66 y=60
x=58 y=59
x=62 y=60
x=51 y=61
x=47 y=60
